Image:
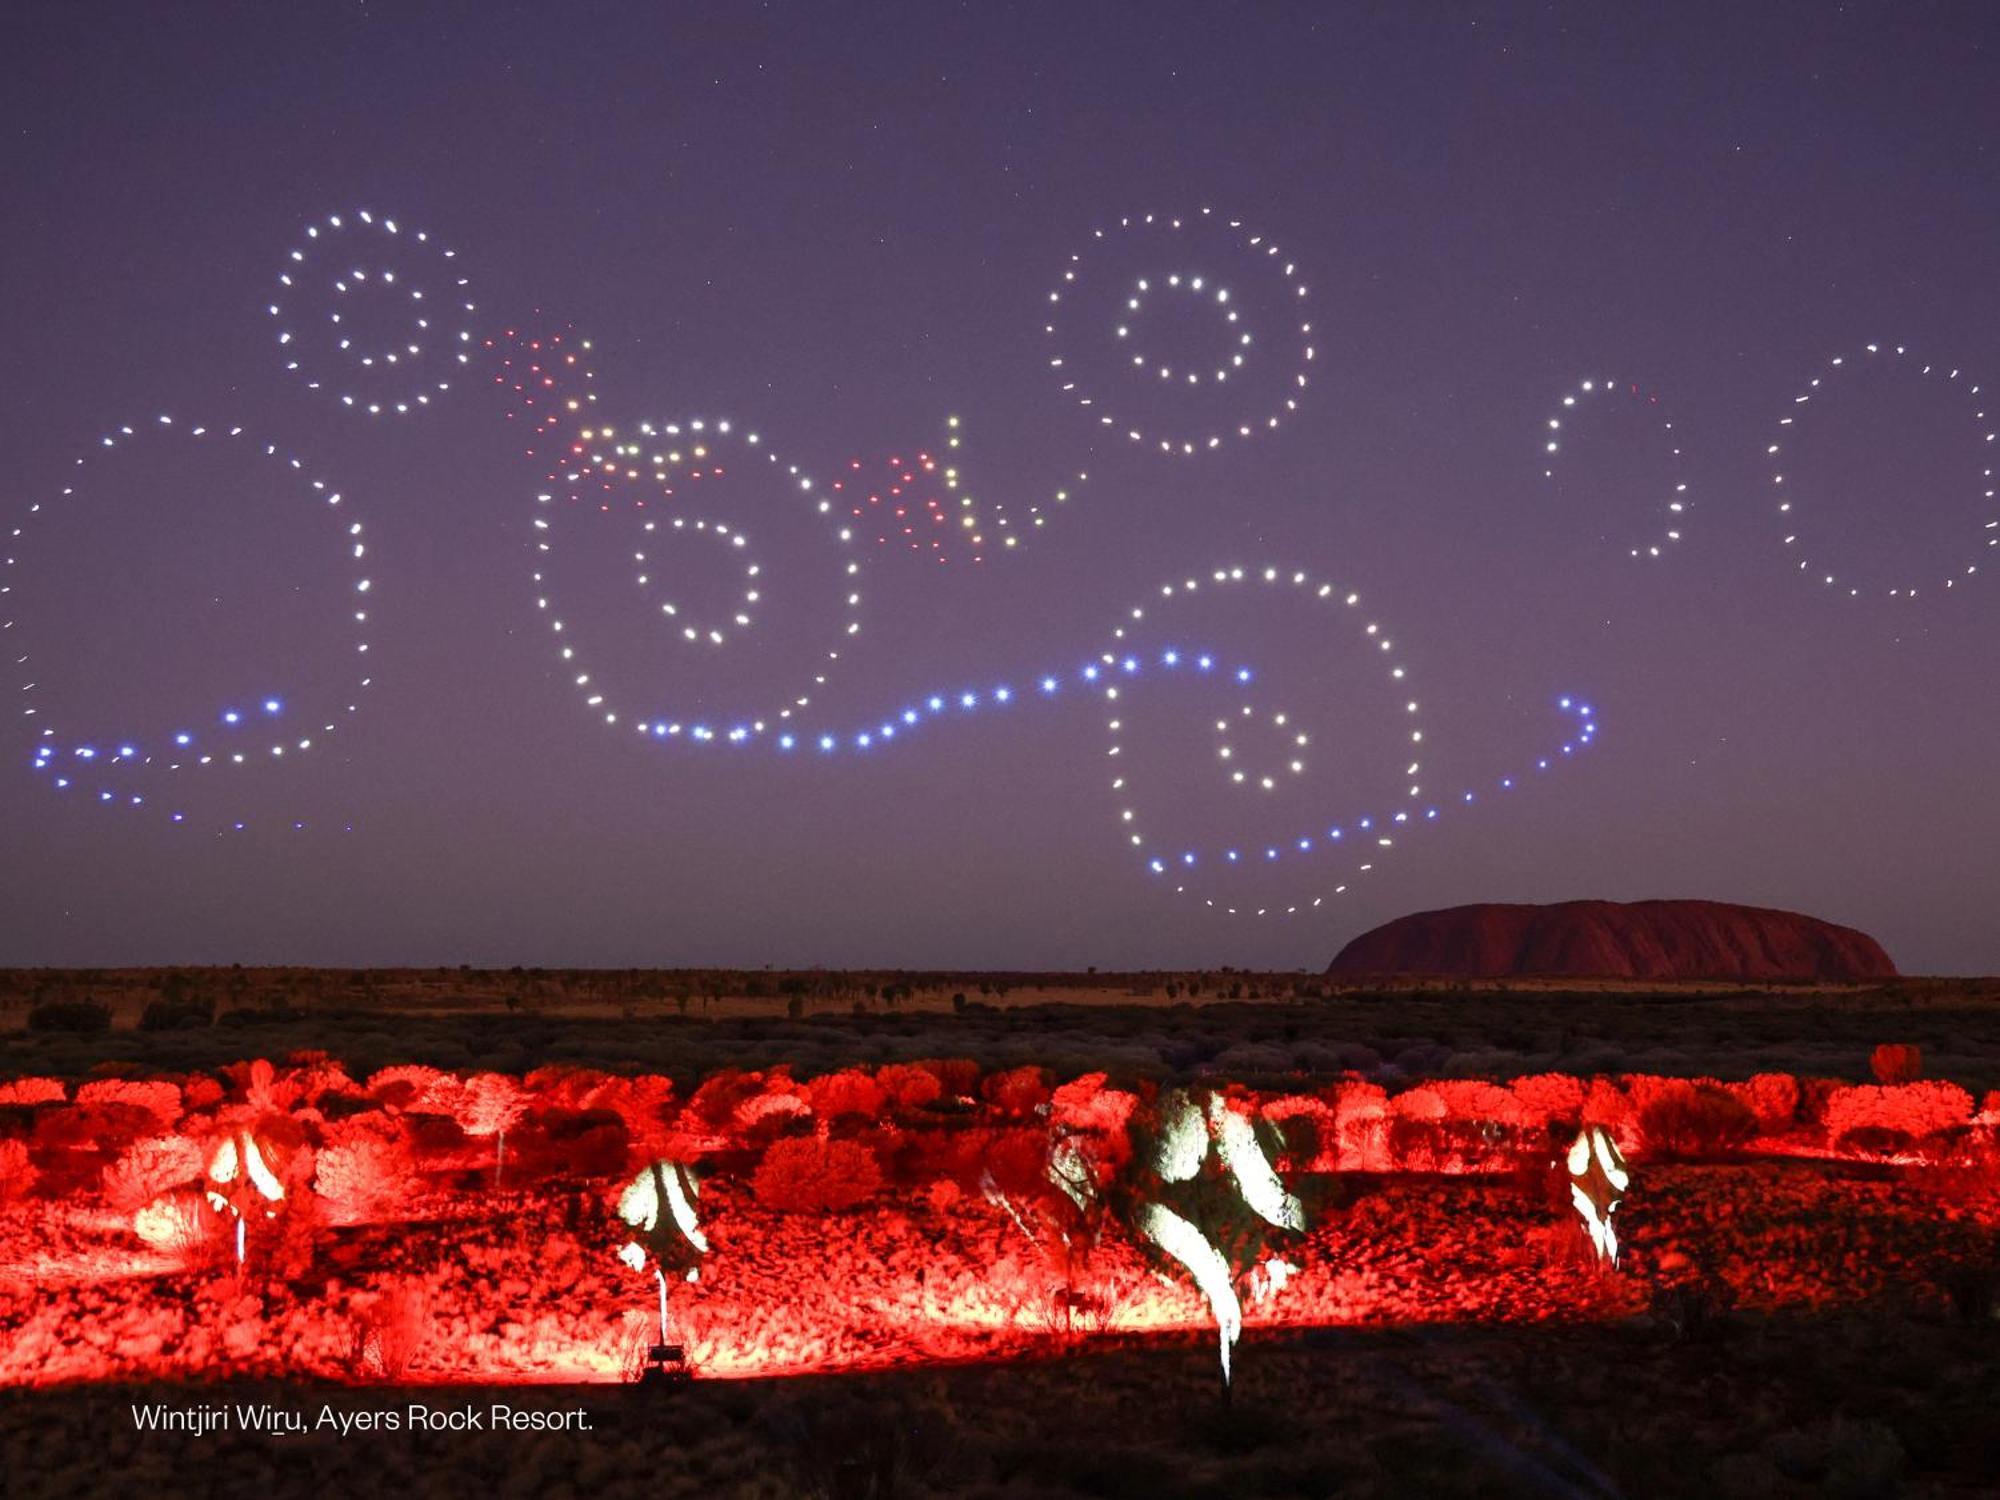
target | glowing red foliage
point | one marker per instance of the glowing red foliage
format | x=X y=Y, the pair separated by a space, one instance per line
x=1896 y=1062
x=32 y=1091
x=392 y=1254
x=848 y=1092
x=1902 y=1114
x=149 y=1168
x=815 y=1174
x=1695 y=1123
x=1550 y=1098
x=908 y=1087
x=1018 y=1091
x=17 y=1172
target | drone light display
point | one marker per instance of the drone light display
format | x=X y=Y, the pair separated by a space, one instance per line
x=1098 y=330
x=1602 y=392
x=326 y=283
x=1795 y=509
x=133 y=766
x=653 y=471
x=702 y=497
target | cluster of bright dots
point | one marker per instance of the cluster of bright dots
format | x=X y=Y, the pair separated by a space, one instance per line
x=1611 y=389
x=1229 y=379
x=735 y=541
x=1226 y=751
x=1789 y=504
x=922 y=502
x=101 y=769
x=546 y=384
x=389 y=377
x=667 y=463
x=905 y=502
x=1367 y=837
x=660 y=473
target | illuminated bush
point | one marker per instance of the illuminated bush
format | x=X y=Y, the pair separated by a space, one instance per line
x=182 y=1224
x=148 y=1169
x=908 y=1087
x=17 y=1173
x=160 y=1099
x=1880 y=1119
x=810 y=1174
x=1696 y=1123
x=1551 y=1098
x=1018 y=1091
x=1896 y=1062
x=1773 y=1098
x=390 y=1330
x=362 y=1178
x=32 y=1091
x=848 y=1092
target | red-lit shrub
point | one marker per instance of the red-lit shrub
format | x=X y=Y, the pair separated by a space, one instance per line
x=847 y=1092
x=1550 y=1098
x=182 y=1224
x=102 y=1129
x=1696 y=1123
x=159 y=1098
x=1361 y=1127
x=201 y=1092
x=812 y=1174
x=1881 y=1120
x=958 y=1077
x=407 y=1086
x=488 y=1105
x=391 y=1328
x=1310 y=1132
x=1604 y=1103
x=1018 y=1092
x=715 y=1103
x=770 y=1114
x=1474 y=1100
x=320 y=1077
x=1896 y=1062
x=17 y=1173
x=365 y=1177
x=571 y=1143
x=32 y=1091
x=1773 y=1098
x=148 y=1169
x=907 y=1087
x=645 y=1106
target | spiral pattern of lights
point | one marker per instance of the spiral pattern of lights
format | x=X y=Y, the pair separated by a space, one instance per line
x=654 y=471
x=1105 y=361
x=1352 y=842
x=328 y=280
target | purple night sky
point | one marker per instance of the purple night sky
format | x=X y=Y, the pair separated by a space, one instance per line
x=839 y=226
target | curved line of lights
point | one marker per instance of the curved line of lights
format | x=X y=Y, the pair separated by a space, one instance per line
x=658 y=470
x=1790 y=506
x=260 y=727
x=1128 y=298
x=351 y=281
x=1585 y=391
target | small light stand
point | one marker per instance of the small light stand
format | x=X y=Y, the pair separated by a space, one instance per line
x=666 y=1365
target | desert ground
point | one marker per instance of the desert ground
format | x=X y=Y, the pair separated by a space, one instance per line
x=890 y=1299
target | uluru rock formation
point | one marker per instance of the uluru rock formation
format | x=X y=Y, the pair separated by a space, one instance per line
x=1616 y=940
